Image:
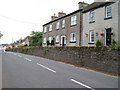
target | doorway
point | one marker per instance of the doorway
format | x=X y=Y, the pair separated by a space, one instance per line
x=108 y=36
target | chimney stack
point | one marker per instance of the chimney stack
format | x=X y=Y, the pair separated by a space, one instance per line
x=81 y=5
x=53 y=17
x=60 y=14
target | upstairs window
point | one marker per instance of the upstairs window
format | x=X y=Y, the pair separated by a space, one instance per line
x=45 y=29
x=63 y=23
x=108 y=12
x=91 y=33
x=73 y=20
x=50 y=28
x=72 y=37
x=57 y=25
x=92 y=16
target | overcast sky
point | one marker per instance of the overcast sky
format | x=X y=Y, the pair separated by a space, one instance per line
x=19 y=17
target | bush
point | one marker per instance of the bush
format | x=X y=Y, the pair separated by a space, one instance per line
x=22 y=45
x=98 y=43
x=48 y=43
x=52 y=43
x=115 y=45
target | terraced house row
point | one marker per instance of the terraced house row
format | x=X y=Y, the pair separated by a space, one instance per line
x=83 y=27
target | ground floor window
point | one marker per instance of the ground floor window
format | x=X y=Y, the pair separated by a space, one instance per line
x=44 y=40
x=73 y=37
x=57 y=39
x=91 y=37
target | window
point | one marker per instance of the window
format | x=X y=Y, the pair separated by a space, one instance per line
x=63 y=23
x=108 y=12
x=50 y=39
x=57 y=39
x=92 y=16
x=57 y=25
x=45 y=29
x=50 y=28
x=44 y=40
x=73 y=20
x=72 y=37
x=91 y=33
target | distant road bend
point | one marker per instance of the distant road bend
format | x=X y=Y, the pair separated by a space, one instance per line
x=25 y=71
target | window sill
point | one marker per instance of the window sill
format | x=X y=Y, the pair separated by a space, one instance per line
x=91 y=43
x=92 y=22
x=107 y=18
x=73 y=25
x=56 y=42
x=63 y=27
x=57 y=29
x=72 y=41
x=45 y=32
x=44 y=43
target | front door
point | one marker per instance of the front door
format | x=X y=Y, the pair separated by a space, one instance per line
x=108 y=37
x=63 y=40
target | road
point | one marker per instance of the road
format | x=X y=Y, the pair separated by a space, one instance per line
x=26 y=71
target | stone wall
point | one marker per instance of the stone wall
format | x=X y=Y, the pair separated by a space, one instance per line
x=101 y=58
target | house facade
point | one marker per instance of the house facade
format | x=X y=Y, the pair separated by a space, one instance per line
x=64 y=30
x=101 y=21
x=84 y=27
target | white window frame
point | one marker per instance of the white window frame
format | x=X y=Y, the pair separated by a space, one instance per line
x=57 y=25
x=92 y=36
x=92 y=16
x=72 y=37
x=73 y=20
x=57 y=39
x=108 y=11
x=50 y=27
x=63 y=23
x=45 y=29
x=44 y=40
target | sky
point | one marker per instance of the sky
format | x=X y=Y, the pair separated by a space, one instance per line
x=19 y=17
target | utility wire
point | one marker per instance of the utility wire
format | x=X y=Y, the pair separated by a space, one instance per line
x=16 y=20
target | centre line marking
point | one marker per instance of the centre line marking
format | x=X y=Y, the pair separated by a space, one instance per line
x=46 y=67
x=19 y=56
x=28 y=59
x=82 y=84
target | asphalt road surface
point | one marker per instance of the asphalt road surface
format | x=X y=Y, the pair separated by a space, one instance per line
x=26 y=71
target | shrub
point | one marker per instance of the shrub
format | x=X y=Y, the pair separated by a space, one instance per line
x=48 y=43
x=52 y=43
x=98 y=43
x=21 y=45
x=114 y=45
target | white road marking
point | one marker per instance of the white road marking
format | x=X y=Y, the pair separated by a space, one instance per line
x=46 y=68
x=19 y=56
x=82 y=84
x=28 y=59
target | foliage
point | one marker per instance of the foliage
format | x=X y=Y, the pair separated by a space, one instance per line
x=48 y=43
x=98 y=43
x=36 y=37
x=22 y=45
x=115 y=45
x=52 y=42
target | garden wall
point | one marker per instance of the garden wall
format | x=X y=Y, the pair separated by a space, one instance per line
x=97 y=58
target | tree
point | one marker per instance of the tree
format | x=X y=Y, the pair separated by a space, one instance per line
x=36 y=37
